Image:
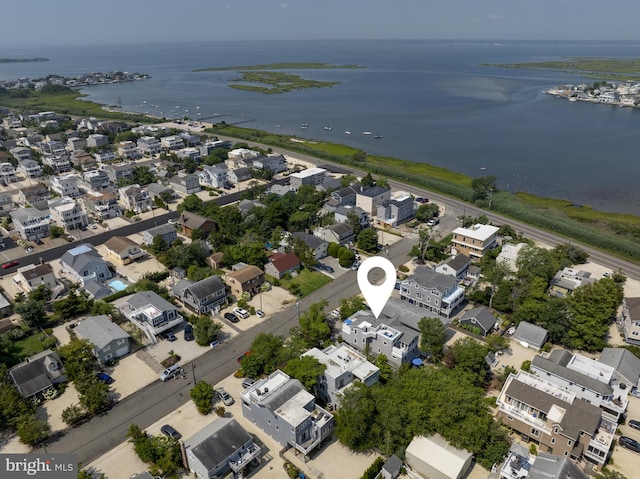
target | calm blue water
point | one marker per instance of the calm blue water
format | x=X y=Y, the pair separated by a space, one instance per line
x=118 y=285
x=432 y=101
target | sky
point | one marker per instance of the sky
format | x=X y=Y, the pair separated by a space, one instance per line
x=69 y=22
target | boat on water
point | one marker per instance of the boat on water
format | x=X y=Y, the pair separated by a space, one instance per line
x=304 y=126
x=347 y=132
x=328 y=128
x=366 y=132
x=377 y=137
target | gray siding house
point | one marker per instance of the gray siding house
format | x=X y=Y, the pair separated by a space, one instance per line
x=168 y=232
x=110 y=341
x=39 y=373
x=480 y=318
x=83 y=263
x=282 y=408
x=205 y=296
x=438 y=293
x=151 y=313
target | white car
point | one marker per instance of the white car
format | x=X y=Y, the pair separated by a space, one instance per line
x=172 y=221
x=93 y=226
x=243 y=313
x=335 y=313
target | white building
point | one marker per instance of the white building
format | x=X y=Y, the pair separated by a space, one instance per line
x=67 y=213
x=66 y=185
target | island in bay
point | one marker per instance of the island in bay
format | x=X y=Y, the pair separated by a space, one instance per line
x=264 y=78
x=23 y=60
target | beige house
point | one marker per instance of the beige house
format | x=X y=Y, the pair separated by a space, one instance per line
x=33 y=275
x=248 y=279
x=474 y=241
x=122 y=250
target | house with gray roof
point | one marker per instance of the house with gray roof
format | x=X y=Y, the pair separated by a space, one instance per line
x=568 y=280
x=276 y=163
x=590 y=380
x=31 y=223
x=38 y=373
x=221 y=446
x=480 y=318
x=30 y=168
x=97 y=290
x=379 y=336
x=215 y=176
x=109 y=340
x=457 y=266
x=391 y=469
x=521 y=463
x=346 y=196
x=530 y=335
x=151 y=313
x=344 y=366
x=342 y=214
x=369 y=198
x=205 y=296
x=185 y=184
x=282 y=408
x=238 y=175
x=438 y=293
x=341 y=233
x=157 y=190
x=396 y=211
x=555 y=419
x=83 y=263
x=168 y=233
x=317 y=245
x=629 y=319
x=625 y=364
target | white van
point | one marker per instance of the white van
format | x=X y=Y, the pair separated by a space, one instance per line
x=170 y=372
x=243 y=313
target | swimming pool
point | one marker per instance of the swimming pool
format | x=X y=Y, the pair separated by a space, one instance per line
x=118 y=284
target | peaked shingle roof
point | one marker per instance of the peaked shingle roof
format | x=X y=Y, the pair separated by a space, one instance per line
x=311 y=241
x=482 y=315
x=284 y=261
x=217 y=441
x=100 y=331
x=430 y=279
x=623 y=361
x=245 y=274
x=205 y=287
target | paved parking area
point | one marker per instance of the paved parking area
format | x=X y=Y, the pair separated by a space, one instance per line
x=624 y=460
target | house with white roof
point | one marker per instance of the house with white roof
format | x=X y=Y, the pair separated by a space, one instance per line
x=65 y=185
x=474 y=241
x=509 y=255
x=310 y=176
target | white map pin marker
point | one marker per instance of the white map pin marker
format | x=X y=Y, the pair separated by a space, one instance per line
x=376 y=295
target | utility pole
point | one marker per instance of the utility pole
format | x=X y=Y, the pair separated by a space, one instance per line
x=193 y=372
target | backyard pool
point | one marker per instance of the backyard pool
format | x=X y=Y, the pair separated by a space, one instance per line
x=117 y=284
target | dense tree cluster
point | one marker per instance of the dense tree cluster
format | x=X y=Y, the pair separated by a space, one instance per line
x=163 y=454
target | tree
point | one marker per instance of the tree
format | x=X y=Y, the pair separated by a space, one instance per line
x=95 y=397
x=73 y=415
x=191 y=203
x=419 y=250
x=307 y=370
x=302 y=251
x=353 y=220
x=332 y=249
x=367 y=181
x=495 y=273
x=482 y=186
x=468 y=355
x=368 y=240
x=347 y=180
x=432 y=336
x=266 y=355
x=32 y=312
x=346 y=258
x=427 y=211
x=56 y=231
x=78 y=359
x=534 y=261
x=32 y=431
x=205 y=330
x=202 y=395
x=349 y=306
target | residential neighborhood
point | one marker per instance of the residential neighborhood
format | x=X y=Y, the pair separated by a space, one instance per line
x=176 y=247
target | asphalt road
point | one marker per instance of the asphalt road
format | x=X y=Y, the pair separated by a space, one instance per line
x=145 y=407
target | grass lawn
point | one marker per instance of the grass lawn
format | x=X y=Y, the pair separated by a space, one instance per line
x=29 y=346
x=308 y=281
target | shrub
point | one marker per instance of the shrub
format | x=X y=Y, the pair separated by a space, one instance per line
x=374 y=469
x=292 y=471
x=533 y=449
x=526 y=365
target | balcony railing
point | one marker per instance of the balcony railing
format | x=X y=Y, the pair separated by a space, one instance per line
x=247 y=456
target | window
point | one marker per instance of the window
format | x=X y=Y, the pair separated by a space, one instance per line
x=555 y=430
x=569 y=442
x=553 y=440
x=510 y=418
x=566 y=453
x=535 y=432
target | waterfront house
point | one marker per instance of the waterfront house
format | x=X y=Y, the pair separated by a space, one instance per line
x=474 y=241
x=109 y=340
x=369 y=198
x=282 y=408
x=311 y=177
x=205 y=296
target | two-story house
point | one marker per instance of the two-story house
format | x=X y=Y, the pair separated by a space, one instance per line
x=341 y=233
x=213 y=176
x=135 y=198
x=31 y=276
x=83 y=160
x=203 y=297
x=6 y=203
x=122 y=250
x=342 y=214
x=396 y=211
x=509 y=255
x=36 y=195
x=30 y=223
x=172 y=142
x=275 y=163
x=96 y=179
x=7 y=174
x=369 y=198
x=59 y=163
x=310 y=176
x=555 y=419
x=151 y=313
x=456 y=266
x=109 y=340
x=238 y=175
x=96 y=140
x=128 y=150
x=185 y=184
x=83 y=263
x=167 y=232
x=282 y=408
x=105 y=156
x=474 y=241
x=344 y=366
x=364 y=331
x=248 y=279
x=149 y=145
x=67 y=213
x=439 y=293
x=65 y=185
x=119 y=171
x=189 y=222
x=317 y=245
x=21 y=153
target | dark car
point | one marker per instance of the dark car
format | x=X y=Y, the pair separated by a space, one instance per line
x=170 y=432
x=188 y=332
x=10 y=264
x=171 y=337
x=104 y=377
x=247 y=382
x=629 y=443
x=231 y=317
x=634 y=424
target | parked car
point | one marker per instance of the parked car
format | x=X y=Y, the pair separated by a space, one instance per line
x=335 y=313
x=171 y=337
x=231 y=317
x=225 y=397
x=170 y=432
x=260 y=313
x=170 y=372
x=188 y=332
x=433 y=222
x=629 y=443
x=93 y=226
x=10 y=264
x=214 y=343
x=243 y=313
x=104 y=377
x=634 y=424
x=247 y=382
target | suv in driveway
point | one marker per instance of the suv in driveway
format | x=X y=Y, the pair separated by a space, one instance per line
x=231 y=317
x=170 y=432
x=630 y=443
x=224 y=396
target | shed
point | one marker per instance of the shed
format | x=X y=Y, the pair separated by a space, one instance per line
x=391 y=468
x=531 y=336
x=434 y=458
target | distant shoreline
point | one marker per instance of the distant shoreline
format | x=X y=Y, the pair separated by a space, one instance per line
x=23 y=60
